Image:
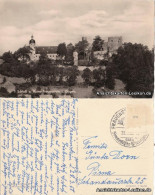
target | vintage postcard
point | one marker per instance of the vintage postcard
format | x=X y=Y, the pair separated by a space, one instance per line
x=76 y=49
x=76 y=97
x=58 y=147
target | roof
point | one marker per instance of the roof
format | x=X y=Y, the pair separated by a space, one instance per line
x=9 y=86
x=47 y=49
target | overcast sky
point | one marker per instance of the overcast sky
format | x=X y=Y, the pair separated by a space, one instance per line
x=55 y=21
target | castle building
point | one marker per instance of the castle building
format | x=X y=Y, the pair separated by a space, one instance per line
x=110 y=47
x=114 y=43
x=37 y=50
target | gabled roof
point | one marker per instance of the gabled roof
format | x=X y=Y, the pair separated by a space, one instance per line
x=9 y=86
x=47 y=49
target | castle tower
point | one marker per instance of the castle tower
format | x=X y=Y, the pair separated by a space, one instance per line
x=114 y=43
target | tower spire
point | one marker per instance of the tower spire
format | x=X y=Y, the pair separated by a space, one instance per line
x=32 y=41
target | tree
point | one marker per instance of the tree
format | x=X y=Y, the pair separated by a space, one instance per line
x=15 y=68
x=60 y=72
x=27 y=73
x=99 y=77
x=10 y=65
x=53 y=74
x=44 y=69
x=87 y=75
x=97 y=44
x=134 y=65
x=62 y=50
x=8 y=57
x=70 y=50
x=23 y=54
x=71 y=75
x=104 y=62
x=110 y=81
x=43 y=58
x=81 y=47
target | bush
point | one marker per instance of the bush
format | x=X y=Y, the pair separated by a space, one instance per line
x=55 y=95
x=35 y=95
x=13 y=94
x=3 y=92
x=94 y=90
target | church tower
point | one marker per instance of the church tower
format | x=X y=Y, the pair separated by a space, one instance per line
x=32 y=44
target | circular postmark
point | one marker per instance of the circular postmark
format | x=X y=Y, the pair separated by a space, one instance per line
x=128 y=131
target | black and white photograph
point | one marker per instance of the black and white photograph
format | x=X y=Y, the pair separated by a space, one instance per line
x=76 y=49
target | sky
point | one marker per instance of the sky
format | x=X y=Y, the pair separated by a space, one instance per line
x=56 y=21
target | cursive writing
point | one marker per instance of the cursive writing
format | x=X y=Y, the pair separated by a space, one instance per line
x=89 y=145
x=94 y=169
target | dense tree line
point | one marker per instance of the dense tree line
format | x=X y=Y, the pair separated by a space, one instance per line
x=134 y=65
x=46 y=72
x=99 y=77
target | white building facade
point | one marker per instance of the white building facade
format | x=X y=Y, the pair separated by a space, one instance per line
x=36 y=51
